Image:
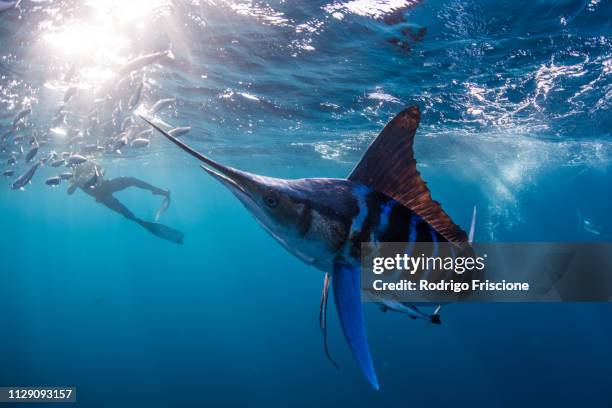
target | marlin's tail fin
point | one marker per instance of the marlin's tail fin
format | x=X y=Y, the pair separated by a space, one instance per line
x=472 y=227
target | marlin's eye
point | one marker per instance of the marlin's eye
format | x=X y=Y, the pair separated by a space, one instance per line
x=271 y=201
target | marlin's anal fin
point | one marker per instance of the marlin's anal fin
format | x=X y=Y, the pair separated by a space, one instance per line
x=323 y=317
x=323 y=305
x=346 y=282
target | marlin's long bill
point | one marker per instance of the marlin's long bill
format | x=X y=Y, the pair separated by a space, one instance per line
x=242 y=184
x=223 y=169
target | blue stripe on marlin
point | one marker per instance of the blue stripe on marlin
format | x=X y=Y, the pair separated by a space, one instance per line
x=434 y=253
x=324 y=221
x=385 y=211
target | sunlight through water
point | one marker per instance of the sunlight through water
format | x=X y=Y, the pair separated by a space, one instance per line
x=102 y=39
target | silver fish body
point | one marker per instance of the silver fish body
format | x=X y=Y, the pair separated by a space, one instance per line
x=32 y=152
x=70 y=92
x=75 y=159
x=144 y=60
x=140 y=142
x=135 y=98
x=179 y=131
x=57 y=162
x=53 y=181
x=20 y=115
x=25 y=178
x=162 y=103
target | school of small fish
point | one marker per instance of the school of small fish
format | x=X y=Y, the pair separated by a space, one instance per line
x=86 y=125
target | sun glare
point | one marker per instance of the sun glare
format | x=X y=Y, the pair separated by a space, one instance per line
x=82 y=39
x=95 y=48
x=126 y=10
x=99 y=42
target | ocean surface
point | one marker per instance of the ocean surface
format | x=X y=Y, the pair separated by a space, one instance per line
x=515 y=100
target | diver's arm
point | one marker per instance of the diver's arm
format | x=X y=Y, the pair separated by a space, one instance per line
x=121 y=183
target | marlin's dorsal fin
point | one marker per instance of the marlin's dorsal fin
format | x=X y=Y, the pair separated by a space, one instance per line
x=389 y=167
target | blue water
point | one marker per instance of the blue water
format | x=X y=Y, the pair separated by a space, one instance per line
x=515 y=100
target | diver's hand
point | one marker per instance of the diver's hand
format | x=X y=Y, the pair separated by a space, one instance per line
x=160 y=192
x=163 y=207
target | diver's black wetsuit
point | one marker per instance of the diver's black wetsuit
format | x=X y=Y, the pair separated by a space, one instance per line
x=103 y=193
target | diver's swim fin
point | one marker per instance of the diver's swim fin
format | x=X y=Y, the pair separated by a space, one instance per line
x=347 y=296
x=163 y=231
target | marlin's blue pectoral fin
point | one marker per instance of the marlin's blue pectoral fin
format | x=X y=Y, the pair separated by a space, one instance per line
x=346 y=282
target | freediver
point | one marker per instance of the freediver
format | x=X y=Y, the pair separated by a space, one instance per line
x=89 y=178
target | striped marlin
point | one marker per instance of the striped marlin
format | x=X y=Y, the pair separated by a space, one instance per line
x=323 y=221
